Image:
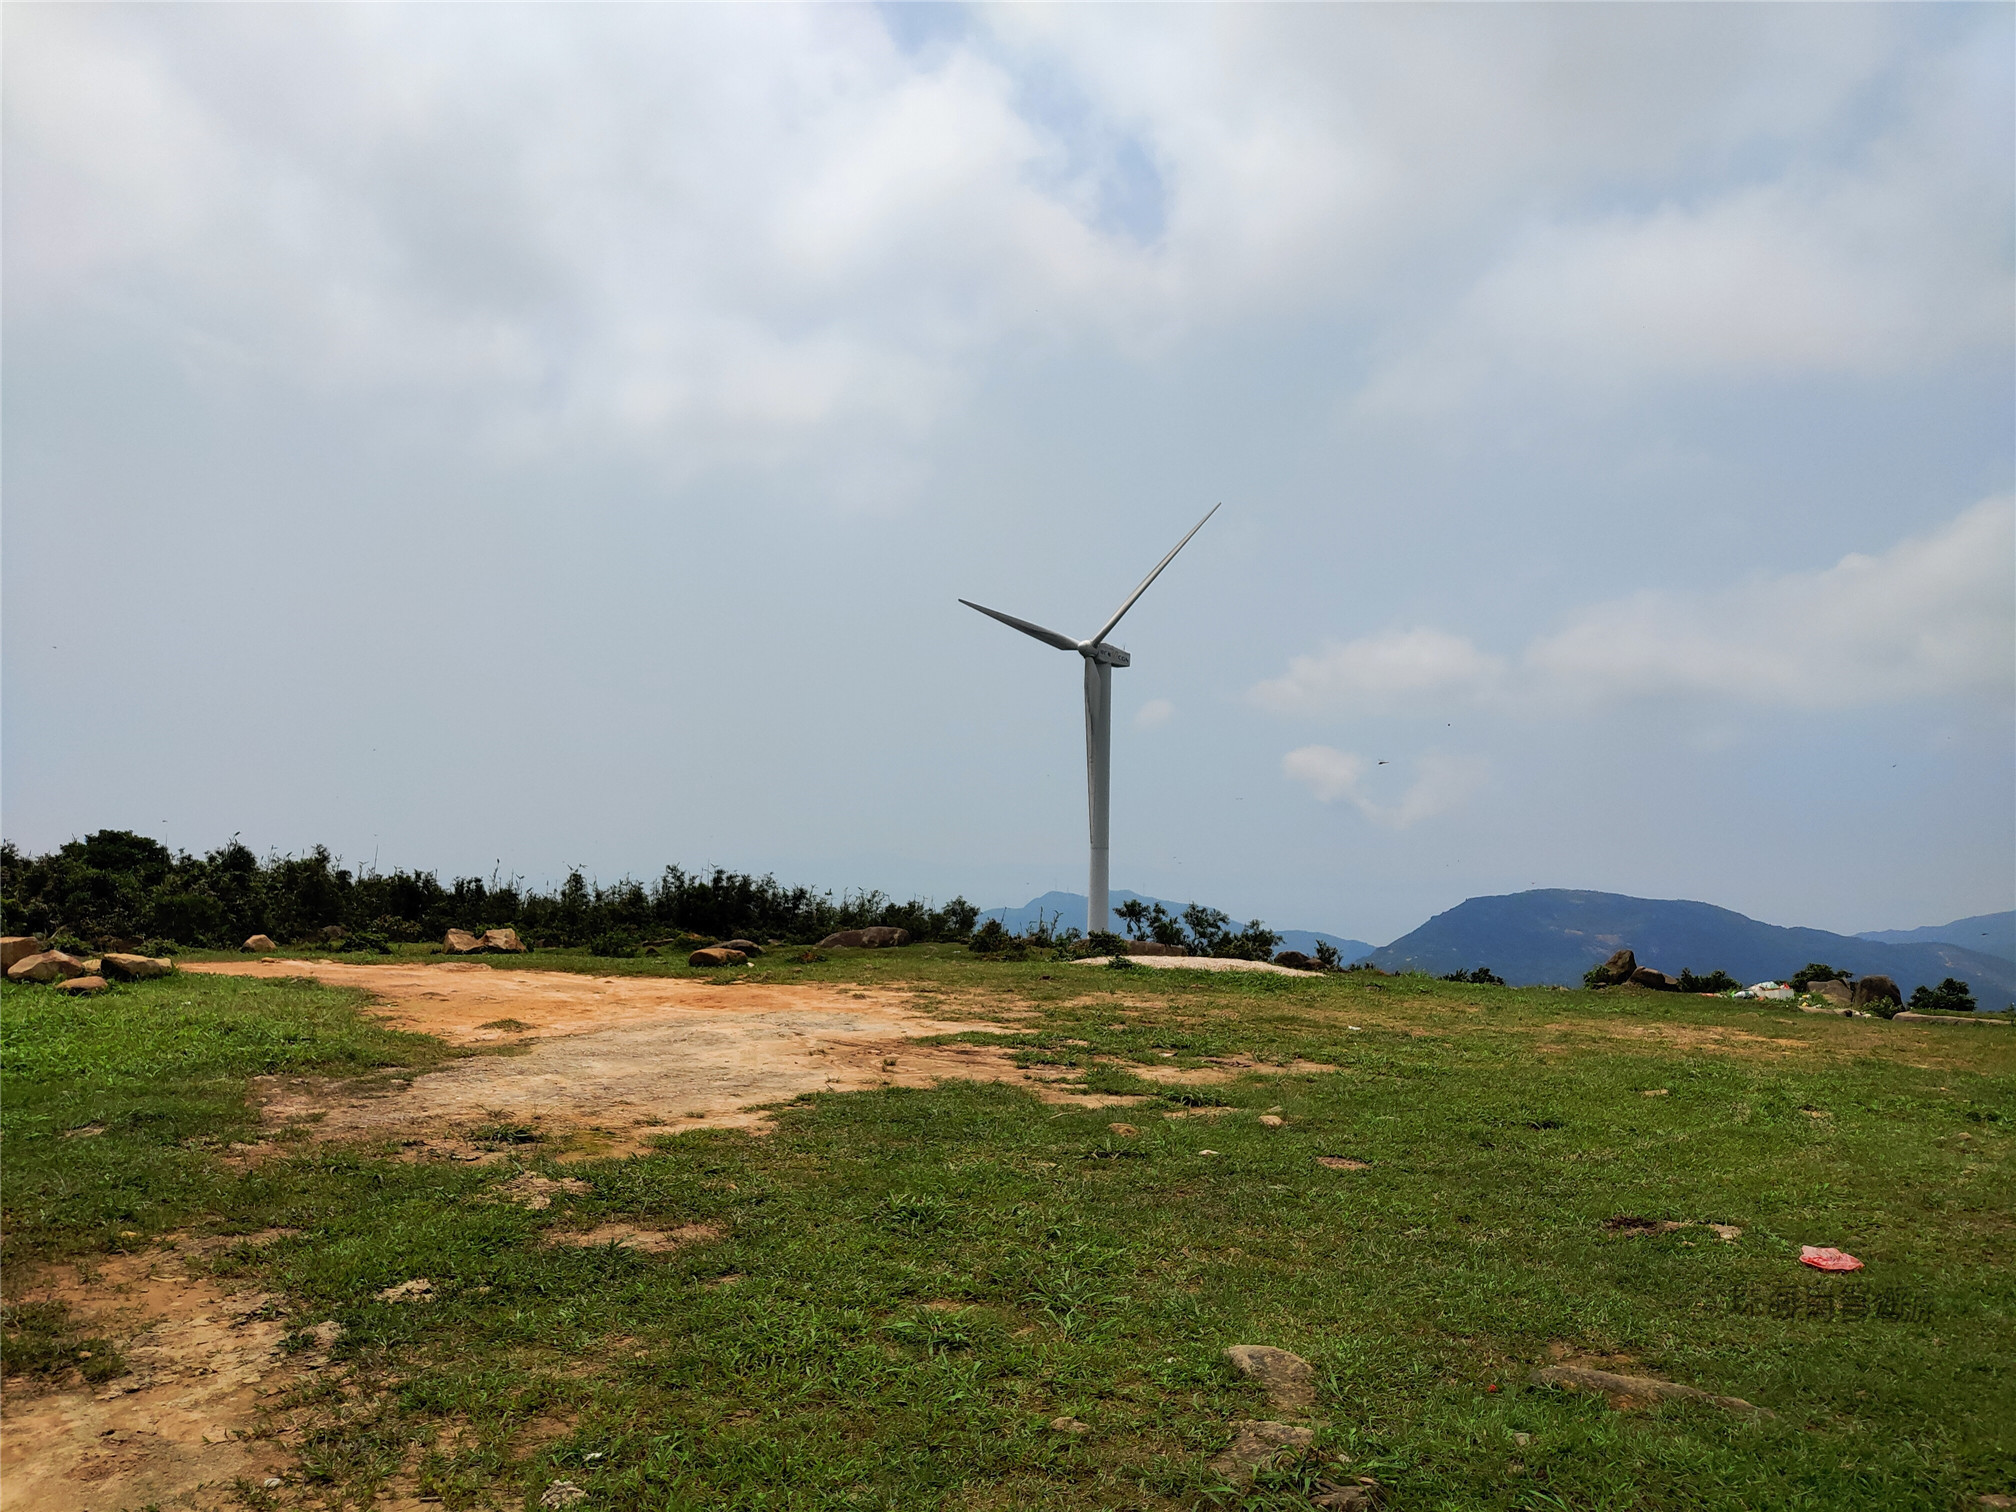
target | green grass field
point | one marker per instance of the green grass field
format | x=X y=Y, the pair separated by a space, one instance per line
x=910 y=1285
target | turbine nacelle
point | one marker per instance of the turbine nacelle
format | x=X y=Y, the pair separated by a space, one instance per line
x=1105 y=656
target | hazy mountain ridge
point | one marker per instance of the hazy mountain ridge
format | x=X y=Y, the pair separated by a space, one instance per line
x=1991 y=934
x=1556 y=934
x=1067 y=910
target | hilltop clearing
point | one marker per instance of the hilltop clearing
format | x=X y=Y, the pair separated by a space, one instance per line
x=1500 y=1242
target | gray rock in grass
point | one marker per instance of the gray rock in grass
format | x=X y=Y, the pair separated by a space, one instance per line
x=1289 y=1380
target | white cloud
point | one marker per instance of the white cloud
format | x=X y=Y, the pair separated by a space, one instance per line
x=1380 y=671
x=751 y=236
x=1889 y=259
x=1933 y=617
x=1442 y=782
x=1153 y=714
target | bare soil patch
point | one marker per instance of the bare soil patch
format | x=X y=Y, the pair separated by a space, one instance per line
x=607 y=1064
x=178 y=1428
x=630 y=1236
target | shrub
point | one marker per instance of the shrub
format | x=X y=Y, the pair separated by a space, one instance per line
x=1483 y=976
x=613 y=942
x=1950 y=996
x=990 y=938
x=1327 y=956
x=1717 y=980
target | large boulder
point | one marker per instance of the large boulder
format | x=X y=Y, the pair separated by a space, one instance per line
x=1833 y=991
x=747 y=947
x=259 y=943
x=1295 y=960
x=1658 y=981
x=1151 y=948
x=17 y=948
x=460 y=942
x=505 y=941
x=1616 y=971
x=135 y=968
x=45 y=966
x=877 y=937
x=1872 y=991
x=715 y=955
x=82 y=986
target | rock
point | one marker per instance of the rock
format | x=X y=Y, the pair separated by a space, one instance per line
x=460 y=942
x=1124 y=1130
x=714 y=955
x=1069 y=1425
x=45 y=966
x=1658 y=981
x=95 y=966
x=1872 y=990
x=1271 y=1120
x=1254 y=1444
x=82 y=986
x=1626 y=1392
x=1150 y=948
x=419 y=1289
x=1834 y=992
x=1617 y=970
x=879 y=937
x=747 y=947
x=137 y=968
x=1288 y=1378
x=562 y=1494
x=259 y=942
x=1295 y=960
x=503 y=940
x=17 y=948
x=1363 y=1493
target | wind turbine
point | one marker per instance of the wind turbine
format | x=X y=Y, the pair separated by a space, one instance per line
x=1100 y=660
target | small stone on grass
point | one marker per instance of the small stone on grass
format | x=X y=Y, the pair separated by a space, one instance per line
x=1289 y=1380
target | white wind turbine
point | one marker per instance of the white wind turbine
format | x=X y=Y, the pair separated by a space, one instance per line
x=1100 y=660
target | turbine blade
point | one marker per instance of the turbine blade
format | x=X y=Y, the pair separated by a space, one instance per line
x=1107 y=629
x=1048 y=637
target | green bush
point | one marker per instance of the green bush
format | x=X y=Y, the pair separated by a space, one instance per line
x=117 y=885
x=1717 y=980
x=1950 y=996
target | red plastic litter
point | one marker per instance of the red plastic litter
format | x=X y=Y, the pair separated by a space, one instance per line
x=1827 y=1259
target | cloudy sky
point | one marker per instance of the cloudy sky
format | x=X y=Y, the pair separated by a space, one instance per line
x=558 y=436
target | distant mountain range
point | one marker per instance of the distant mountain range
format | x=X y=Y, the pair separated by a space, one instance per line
x=1990 y=934
x=1554 y=935
x=1067 y=910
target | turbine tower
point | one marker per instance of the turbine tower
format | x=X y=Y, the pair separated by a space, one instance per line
x=1100 y=660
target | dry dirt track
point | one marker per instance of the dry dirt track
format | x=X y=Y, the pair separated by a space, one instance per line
x=616 y=1060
